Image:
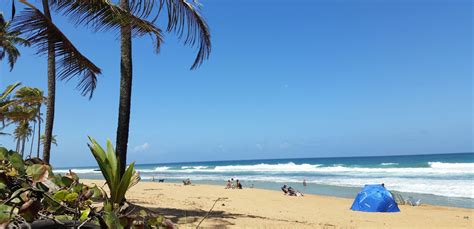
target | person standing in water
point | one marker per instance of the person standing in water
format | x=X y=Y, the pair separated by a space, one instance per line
x=304 y=182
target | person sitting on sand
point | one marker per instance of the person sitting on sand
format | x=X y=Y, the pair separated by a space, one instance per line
x=229 y=185
x=187 y=182
x=294 y=192
x=285 y=189
x=239 y=185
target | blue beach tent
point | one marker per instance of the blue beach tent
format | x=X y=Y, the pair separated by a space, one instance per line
x=375 y=198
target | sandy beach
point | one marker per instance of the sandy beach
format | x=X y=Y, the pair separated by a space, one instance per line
x=257 y=208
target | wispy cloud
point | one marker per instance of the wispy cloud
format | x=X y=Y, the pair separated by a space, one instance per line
x=142 y=147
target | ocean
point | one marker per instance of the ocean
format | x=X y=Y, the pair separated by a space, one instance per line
x=438 y=179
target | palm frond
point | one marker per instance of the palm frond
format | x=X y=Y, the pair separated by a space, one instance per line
x=185 y=19
x=143 y=8
x=102 y=15
x=9 y=90
x=71 y=63
x=8 y=39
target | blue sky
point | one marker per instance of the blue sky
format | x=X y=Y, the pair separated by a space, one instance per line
x=304 y=78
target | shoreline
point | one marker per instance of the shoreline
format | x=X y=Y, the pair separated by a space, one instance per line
x=254 y=207
x=330 y=191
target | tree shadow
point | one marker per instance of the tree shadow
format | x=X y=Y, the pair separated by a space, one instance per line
x=219 y=219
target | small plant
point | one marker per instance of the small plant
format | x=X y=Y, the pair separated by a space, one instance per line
x=109 y=166
x=117 y=212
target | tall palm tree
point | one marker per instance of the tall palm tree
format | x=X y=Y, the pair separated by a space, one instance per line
x=9 y=40
x=182 y=16
x=49 y=39
x=34 y=99
x=131 y=17
x=62 y=56
x=21 y=115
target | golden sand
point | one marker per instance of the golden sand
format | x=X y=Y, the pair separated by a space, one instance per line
x=257 y=208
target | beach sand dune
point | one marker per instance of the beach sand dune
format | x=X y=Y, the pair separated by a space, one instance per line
x=258 y=208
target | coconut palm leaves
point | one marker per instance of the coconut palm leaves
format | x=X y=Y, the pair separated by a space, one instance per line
x=9 y=40
x=182 y=14
x=54 y=140
x=41 y=31
x=102 y=15
x=5 y=102
x=110 y=167
x=21 y=109
x=184 y=18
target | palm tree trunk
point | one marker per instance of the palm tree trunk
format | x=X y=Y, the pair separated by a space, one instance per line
x=51 y=92
x=39 y=131
x=23 y=143
x=125 y=91
x=17 y=149
x=32 y=139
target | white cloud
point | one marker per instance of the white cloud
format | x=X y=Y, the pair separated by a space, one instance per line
x=142 y=147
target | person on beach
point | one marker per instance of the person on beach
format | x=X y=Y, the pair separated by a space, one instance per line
x=229 y=185
x=232 y=181
x=284 y=188
x=187 y=182
x=294 y=192
x=239 y=185
x=304 y=182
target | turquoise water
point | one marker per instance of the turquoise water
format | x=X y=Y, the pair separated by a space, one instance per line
x=441 y=179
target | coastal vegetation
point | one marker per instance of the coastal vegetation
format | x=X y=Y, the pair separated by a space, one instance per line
x=31 y=192
x=131 y=18
x=33 y=196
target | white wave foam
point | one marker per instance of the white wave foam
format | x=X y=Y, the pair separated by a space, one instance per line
x=388 y=163
x=459 y=166
x=157 y=169
x=288 y=167
x=441 y=187
x=78 y=171
x=194 y=167
x=435 y=169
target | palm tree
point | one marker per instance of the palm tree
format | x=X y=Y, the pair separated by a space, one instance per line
x=54 y=140
x=9 y=39
x=49 y=39
x=62 y=56
x=33 y=98
x=21 y=115
x=182 y=15
x=131 y=18
x=5 y=103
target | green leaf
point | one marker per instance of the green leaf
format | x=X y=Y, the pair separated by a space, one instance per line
x=3 y=154
x=60 y=195
x=85 y=214
x=66 y=181
x=17 y=162
x=2 y=186
x=71 y=197
x=124 y=183
x=97 y=193
x=5 y=214
x=112 y=220
x=37 y=171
